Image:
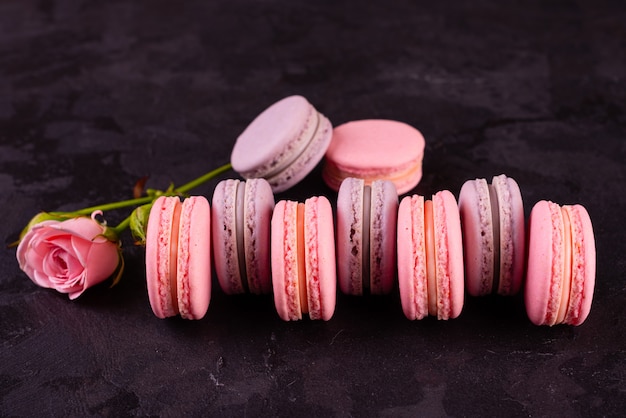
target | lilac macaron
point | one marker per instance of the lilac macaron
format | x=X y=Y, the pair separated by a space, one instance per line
x=283 y=144
x=366 y=236
x=241 y=216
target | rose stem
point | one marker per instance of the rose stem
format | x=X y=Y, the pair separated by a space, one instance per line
x=149 y=199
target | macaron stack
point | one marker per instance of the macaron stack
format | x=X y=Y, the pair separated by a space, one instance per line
x=431 y=250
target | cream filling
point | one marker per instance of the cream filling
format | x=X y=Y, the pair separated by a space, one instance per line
x=301 y=262
x=506 y=235
x=431 y=259
x=495 y=224
x=335 y=173
x=239 y=233
x=173 y=272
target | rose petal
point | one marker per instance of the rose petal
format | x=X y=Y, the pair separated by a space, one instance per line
x=39 y=242
x=79 y=287
x=25 y=254
x=104 y=259
x=64 y=268
x=64 y=242
x=83 y=227
x=74 y=266
x=41 y=279
x=81 y=247
x=49 y=266
x=74 y=291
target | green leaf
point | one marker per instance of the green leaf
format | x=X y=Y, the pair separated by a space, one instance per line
x=139 y=223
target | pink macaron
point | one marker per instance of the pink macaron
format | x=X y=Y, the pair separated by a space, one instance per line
x=430 y=256
x=492 y=219
x=282 y=144
x=303 y=259
x=178 y=257
x=366 y=236
x=561 y=271
x=241 y=216
x=375 y=149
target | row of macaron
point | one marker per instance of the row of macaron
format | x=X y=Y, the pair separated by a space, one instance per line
x=433 y=250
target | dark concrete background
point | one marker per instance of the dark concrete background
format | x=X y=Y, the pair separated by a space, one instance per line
x=94 y=95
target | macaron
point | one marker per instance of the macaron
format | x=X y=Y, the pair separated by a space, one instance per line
x=561 y=271
x=241 y=216
x=303 y=259
x=282 y=144
x=430 y=256
x=375 y=149
x=178 y=257
x=366 y=236
x=492 y=221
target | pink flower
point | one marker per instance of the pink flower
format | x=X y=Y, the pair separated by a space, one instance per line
x=70 y=255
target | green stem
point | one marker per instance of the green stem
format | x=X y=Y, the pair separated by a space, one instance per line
x=149 y=200
x=203 y=179
x=112 y=206
x=122 y=225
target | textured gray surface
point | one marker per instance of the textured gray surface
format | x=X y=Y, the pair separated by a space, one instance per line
x=93 y=97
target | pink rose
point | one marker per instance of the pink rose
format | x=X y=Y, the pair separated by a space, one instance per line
x=69 y=256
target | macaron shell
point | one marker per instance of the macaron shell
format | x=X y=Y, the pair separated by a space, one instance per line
x=411 y=250
x=158 y=255
x=449 y=253
x=268 y=141
x=512 y=235
x=194 y=258
x=583 y=265
x=258 y=207
x=375 y=149
x=349 y=236
x=224 y=236
x=319 y=238
x=545 y=263
x=383 y=221
x=306 y=160
x=475 y=212
x=284 y=261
